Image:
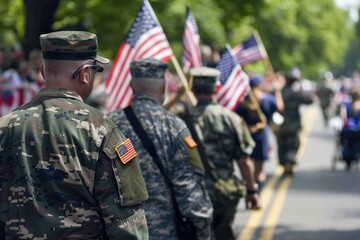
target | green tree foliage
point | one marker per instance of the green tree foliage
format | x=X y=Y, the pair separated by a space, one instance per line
x=12 y=25
x=357 y=45
x=311 y=34
x=39 y=19
x=108 y=19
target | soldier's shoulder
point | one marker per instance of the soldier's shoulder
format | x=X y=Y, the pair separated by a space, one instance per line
x=168 y=120
x=117 y=115
x=5 y=120
x=214 y=108
x=217 y=109
x=96 y=117
x=176 y=122
x=19 y=114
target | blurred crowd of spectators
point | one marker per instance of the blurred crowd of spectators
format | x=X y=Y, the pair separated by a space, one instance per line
x=20 y=78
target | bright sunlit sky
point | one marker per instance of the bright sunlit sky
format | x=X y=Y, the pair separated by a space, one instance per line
x=351 y=5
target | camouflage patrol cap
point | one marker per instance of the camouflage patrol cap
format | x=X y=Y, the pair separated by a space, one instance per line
x=204 y=79
x=70 y=45
x=148 y=68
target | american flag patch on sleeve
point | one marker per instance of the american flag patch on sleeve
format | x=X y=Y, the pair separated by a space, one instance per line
x=190 y=141
x=125 y=151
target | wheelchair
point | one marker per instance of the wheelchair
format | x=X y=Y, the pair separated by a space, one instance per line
x=347 y=149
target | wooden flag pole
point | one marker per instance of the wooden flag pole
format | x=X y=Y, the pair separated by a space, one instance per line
x=266 y=61
x=183 y=80
x=263 y=121
x=253 y=99
x=269 y=68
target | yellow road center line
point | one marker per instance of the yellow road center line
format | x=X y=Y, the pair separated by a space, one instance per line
x=255 y=216
x=274 y=214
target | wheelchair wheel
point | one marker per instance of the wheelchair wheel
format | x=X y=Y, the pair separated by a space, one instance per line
x=336 y=158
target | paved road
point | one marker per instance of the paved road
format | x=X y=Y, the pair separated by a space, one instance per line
x=317 y=203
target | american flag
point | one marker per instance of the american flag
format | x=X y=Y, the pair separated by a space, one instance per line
x=191 y=41
x=126 y=151
x=10 y=100
x=145 y=39
x=249 y=51
x=234 y=82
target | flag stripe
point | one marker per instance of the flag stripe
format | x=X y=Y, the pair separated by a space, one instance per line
x=249 y=56
x=119 y=80
x=191 y=43
x=230 y=89
x=249 y=51
x=140 y=48
x=123 y=94
x=227 y=90
x=118 y=69
x=240 y=90
x=144 y=39
x=233 y=80
x=19 y=97
x=126 y=151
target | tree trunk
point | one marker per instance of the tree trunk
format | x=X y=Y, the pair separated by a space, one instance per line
x=39 y=19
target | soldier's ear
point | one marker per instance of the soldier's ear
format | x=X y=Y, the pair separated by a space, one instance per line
x=85 y=75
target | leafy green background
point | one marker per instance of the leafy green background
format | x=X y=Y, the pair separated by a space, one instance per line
x=314 y=35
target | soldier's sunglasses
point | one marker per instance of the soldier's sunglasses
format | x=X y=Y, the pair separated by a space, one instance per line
x=95 y=68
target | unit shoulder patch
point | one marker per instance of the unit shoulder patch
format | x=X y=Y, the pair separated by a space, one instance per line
x=125 y=151
x=190 y=141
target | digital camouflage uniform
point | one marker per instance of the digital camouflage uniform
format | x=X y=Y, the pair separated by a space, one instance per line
x=225 y=139
x=63 y=171
x=179 y=158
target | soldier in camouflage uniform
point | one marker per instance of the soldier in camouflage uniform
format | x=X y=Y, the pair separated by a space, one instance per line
x=288 y=134
x=61 y=174
x=177 y=156
x=225 y=139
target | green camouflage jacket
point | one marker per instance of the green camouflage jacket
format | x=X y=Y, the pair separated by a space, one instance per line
x=225 y=138
x=67 y=172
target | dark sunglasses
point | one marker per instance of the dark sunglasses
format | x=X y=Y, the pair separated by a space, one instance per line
x=95 y=68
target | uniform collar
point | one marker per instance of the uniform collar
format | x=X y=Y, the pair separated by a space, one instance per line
x=141 y=97
x=58 y=92
x=205 y=102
